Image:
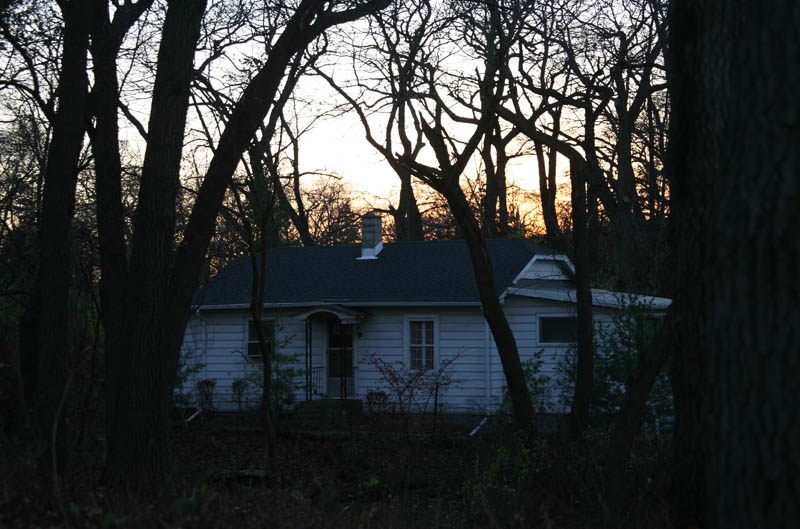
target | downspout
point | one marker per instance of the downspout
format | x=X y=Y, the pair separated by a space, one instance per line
x=309 y=375
x=488 y=351
x=203 y=325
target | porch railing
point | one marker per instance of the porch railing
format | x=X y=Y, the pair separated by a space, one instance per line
x=316 y=380
x=342 y=386
x=345 y=384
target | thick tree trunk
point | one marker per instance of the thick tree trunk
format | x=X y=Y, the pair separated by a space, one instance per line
x=624 y=219
x=745 y=73
x=582 y=397
x=548 y=167
x=148 y=351
x=494 y=205
x=691 y=196
x=161 y=280
x=107 y=38
x=110 y=216
x=407 y=218
x=547 y=192
x=58 y=206
x=492 y=308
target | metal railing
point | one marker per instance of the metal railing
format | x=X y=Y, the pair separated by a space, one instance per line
x=342 y=387
x=346 y=385
x=316 y=380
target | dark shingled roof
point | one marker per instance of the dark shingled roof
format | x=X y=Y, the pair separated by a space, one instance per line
x=423 y=272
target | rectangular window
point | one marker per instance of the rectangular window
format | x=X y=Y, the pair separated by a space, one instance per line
x=558 y=329
x=252 y=338
x=421 y=344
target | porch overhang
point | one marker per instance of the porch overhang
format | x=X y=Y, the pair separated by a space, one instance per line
x=346 y=315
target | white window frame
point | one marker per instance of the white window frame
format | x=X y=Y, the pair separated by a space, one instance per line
x=248 y=341
x=539 y=317
x=407 y=336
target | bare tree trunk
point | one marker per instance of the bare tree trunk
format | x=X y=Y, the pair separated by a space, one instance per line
x=148 y=351
x=547 y=196
x=259 y=266
x=691 y=193
x=548 y=167
x=407 y=218
x=162 y=281
x=261 y=204
x=581 y=401
x=58 y=207
x=503 y=226
x=489 y=201
x=494 y=205
x=492 y=309
x=107 y=36
x=736 y=80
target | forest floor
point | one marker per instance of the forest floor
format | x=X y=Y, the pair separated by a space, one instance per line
x=392 y=472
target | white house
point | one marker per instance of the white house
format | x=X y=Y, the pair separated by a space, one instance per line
x=331 y=308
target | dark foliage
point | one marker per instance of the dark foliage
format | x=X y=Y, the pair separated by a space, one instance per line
x=376 y=473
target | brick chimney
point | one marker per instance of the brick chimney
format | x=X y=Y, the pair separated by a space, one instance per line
x=371 y=236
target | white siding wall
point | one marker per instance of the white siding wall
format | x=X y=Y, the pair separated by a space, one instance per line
x=460 y=337
x=218 y=339
x=523 y=316
x=382 y=335
x=225 y=352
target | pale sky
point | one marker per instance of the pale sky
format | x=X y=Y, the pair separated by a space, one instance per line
x=339 y=146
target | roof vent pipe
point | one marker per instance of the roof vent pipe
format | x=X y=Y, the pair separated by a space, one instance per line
x=371 y=236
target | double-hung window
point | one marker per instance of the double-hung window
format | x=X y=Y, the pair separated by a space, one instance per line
x=421 y=343
x=253 y=350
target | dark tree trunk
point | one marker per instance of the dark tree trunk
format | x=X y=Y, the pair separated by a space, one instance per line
x=261 y=202
x=299 y=217
x=548 y=167
x=259 y=267
x=262 y=205
x=691 y=196
x=581 y=401
x=266 y=396
x=491 y=306
x=494 y=205
x=503 y=227
x=489 y=201
x=107 y=38
x=148 y=350
x=161 y=280
x=547 y=193
x=735 y=133
x=407 y=218
x=58 y=206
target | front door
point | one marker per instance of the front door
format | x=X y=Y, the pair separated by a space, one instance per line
x=340 y=360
